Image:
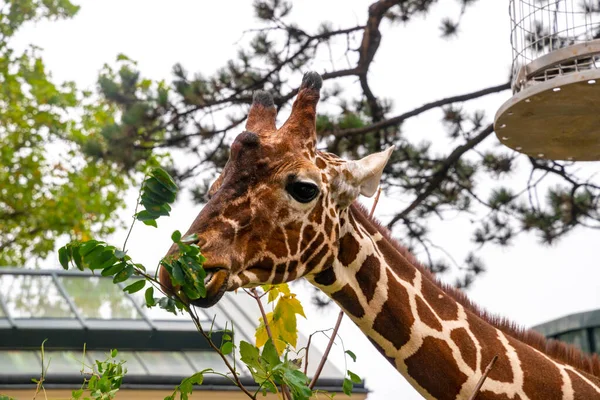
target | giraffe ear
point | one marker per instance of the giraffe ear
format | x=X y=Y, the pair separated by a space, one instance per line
x=366 y=172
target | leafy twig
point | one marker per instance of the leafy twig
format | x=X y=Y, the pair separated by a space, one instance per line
x=257 y=297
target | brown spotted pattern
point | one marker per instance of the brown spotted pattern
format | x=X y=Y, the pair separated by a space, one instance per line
x=253 y=232
x=441 y=347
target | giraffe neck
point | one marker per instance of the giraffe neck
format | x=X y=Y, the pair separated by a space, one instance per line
x=438 y=344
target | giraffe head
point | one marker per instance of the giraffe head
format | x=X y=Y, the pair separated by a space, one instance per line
x=273 y=213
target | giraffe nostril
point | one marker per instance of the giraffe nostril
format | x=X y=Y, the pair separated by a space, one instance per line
x=201 y=243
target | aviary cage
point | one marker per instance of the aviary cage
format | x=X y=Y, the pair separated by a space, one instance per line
x=554 y=112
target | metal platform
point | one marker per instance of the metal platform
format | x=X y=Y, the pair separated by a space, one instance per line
x=557 y=119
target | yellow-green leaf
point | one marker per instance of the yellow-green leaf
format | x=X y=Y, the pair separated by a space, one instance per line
x=282 y=323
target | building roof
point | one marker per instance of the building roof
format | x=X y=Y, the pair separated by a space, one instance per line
x=581 y=329
x=73 y=308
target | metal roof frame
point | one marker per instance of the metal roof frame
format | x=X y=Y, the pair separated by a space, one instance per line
x=98 y=334
x=145 y=334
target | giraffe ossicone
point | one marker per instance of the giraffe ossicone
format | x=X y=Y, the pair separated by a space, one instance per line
x=282 y=210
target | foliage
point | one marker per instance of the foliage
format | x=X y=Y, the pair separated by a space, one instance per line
x=47 y=188
x=158 y=193
x=140 y=103
x=104 y=381
x=271 y=372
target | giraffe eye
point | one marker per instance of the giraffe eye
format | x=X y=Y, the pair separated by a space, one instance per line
x=303 y=192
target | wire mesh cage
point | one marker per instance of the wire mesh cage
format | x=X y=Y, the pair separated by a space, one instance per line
x=555 y=109
x=540 y=28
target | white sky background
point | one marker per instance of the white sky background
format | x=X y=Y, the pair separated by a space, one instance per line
x=526 y=282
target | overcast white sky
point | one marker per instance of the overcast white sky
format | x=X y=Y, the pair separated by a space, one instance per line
x=525 y=282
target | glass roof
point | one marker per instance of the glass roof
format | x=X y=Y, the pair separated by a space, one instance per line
x=98 y=298
x=163 y=363
x=73 y=308
x=70 y=308
x=166 y=363
x=31 y=296
x=19 y=362
x=64 y=362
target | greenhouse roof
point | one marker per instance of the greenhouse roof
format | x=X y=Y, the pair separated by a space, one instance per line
x=70 y=309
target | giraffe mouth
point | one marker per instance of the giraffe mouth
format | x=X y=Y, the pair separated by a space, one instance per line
x=215 y=283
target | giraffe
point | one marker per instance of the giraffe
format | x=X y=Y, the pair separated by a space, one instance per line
x=282 y=210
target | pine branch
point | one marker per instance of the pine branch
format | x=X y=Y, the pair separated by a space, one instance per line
x=438 y=177
x=425 y=107
x=368 y=48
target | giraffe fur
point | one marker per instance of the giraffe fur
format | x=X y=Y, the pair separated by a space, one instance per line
x=282 y=210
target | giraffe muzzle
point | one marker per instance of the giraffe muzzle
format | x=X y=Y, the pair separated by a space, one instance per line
x=216 y=281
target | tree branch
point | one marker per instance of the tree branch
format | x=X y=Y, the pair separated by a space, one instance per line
x=483 y=377
x=368 y=48
x=313 y=382
x=438 y=177
x=425 y=107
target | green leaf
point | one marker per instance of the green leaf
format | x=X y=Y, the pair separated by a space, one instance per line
x=150 y=222
x=191 y=293
x=347 y=387
x=140 y=267
x=164 y=178
x=270 y=355
x=120 y=254
x=194 y=251
x=100 y=260
x=145 y=215
x=149 y=296
x=177 y=277
x=124 y=274
x=158 y=190
x=74 y=394
x=353 y=377
x=87 y=247
x=297 y=382
x=227 y=348
x=63 y=257
x=352 y=355
x=114 y=269
x=176 y=236
x=77 y=258
x=113 y=353
x=157 y=210
x=135 y=286
x=249 y=354
x=167 y=304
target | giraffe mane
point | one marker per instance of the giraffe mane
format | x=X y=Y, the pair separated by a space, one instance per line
x=559 y=351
